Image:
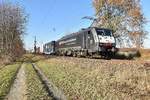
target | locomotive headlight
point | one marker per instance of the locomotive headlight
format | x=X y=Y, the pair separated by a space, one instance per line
x=100 y=44
x=113 y=49
x=100 y=38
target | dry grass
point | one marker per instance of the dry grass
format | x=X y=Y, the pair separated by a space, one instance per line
x=88 y=79
x=35 y=88
x=145 y=53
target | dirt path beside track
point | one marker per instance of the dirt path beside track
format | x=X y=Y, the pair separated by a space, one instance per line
x=18 y=89
x=52 y=90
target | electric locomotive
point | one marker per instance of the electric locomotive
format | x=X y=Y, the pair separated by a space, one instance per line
x=86 y=42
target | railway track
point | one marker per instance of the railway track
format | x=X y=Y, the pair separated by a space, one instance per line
x=122 y=57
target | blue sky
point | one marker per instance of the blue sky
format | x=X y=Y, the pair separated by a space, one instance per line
x=51 y=19
x=146 y=11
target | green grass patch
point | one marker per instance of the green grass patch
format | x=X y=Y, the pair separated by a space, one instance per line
x=7 y=76
x=35 y=88
x=30 y=58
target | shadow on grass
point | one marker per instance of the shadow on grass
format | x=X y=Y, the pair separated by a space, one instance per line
x=127 y=55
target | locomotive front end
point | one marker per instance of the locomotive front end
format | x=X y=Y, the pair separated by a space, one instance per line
x=106 y=41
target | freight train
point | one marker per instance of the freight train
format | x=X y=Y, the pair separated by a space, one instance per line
x=86 y=42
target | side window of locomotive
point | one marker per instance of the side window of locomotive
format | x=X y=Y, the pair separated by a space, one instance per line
x=90 y=36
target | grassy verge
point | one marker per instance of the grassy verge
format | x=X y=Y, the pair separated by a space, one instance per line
x=75 y=83
x=7 y=76
x=93 y=79
x=35 y=88
x=31 y=58
x=145 y=54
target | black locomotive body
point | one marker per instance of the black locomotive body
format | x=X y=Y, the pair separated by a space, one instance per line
x=86 y=42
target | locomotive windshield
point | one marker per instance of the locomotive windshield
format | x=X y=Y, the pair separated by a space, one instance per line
x=104 y=32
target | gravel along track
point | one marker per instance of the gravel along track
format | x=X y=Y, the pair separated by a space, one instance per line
x=18 y=90
x=53 y=91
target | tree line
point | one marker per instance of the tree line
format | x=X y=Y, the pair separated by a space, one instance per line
x=125 y=18
x=12 y=29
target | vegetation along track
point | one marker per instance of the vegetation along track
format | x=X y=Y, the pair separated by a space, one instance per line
x=7 y=76
x=79 y=78
x=26 y=82
x=53 y=91
x=92 y=79
x=35 y=88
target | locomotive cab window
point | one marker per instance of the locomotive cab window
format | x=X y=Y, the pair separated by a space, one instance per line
x=100 y=32
x=108 y=33
x=104 y=32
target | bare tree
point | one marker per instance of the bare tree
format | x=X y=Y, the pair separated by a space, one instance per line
x=12 y=29
x=125 y=17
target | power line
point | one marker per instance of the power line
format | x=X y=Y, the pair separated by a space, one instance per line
x=91 y=18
